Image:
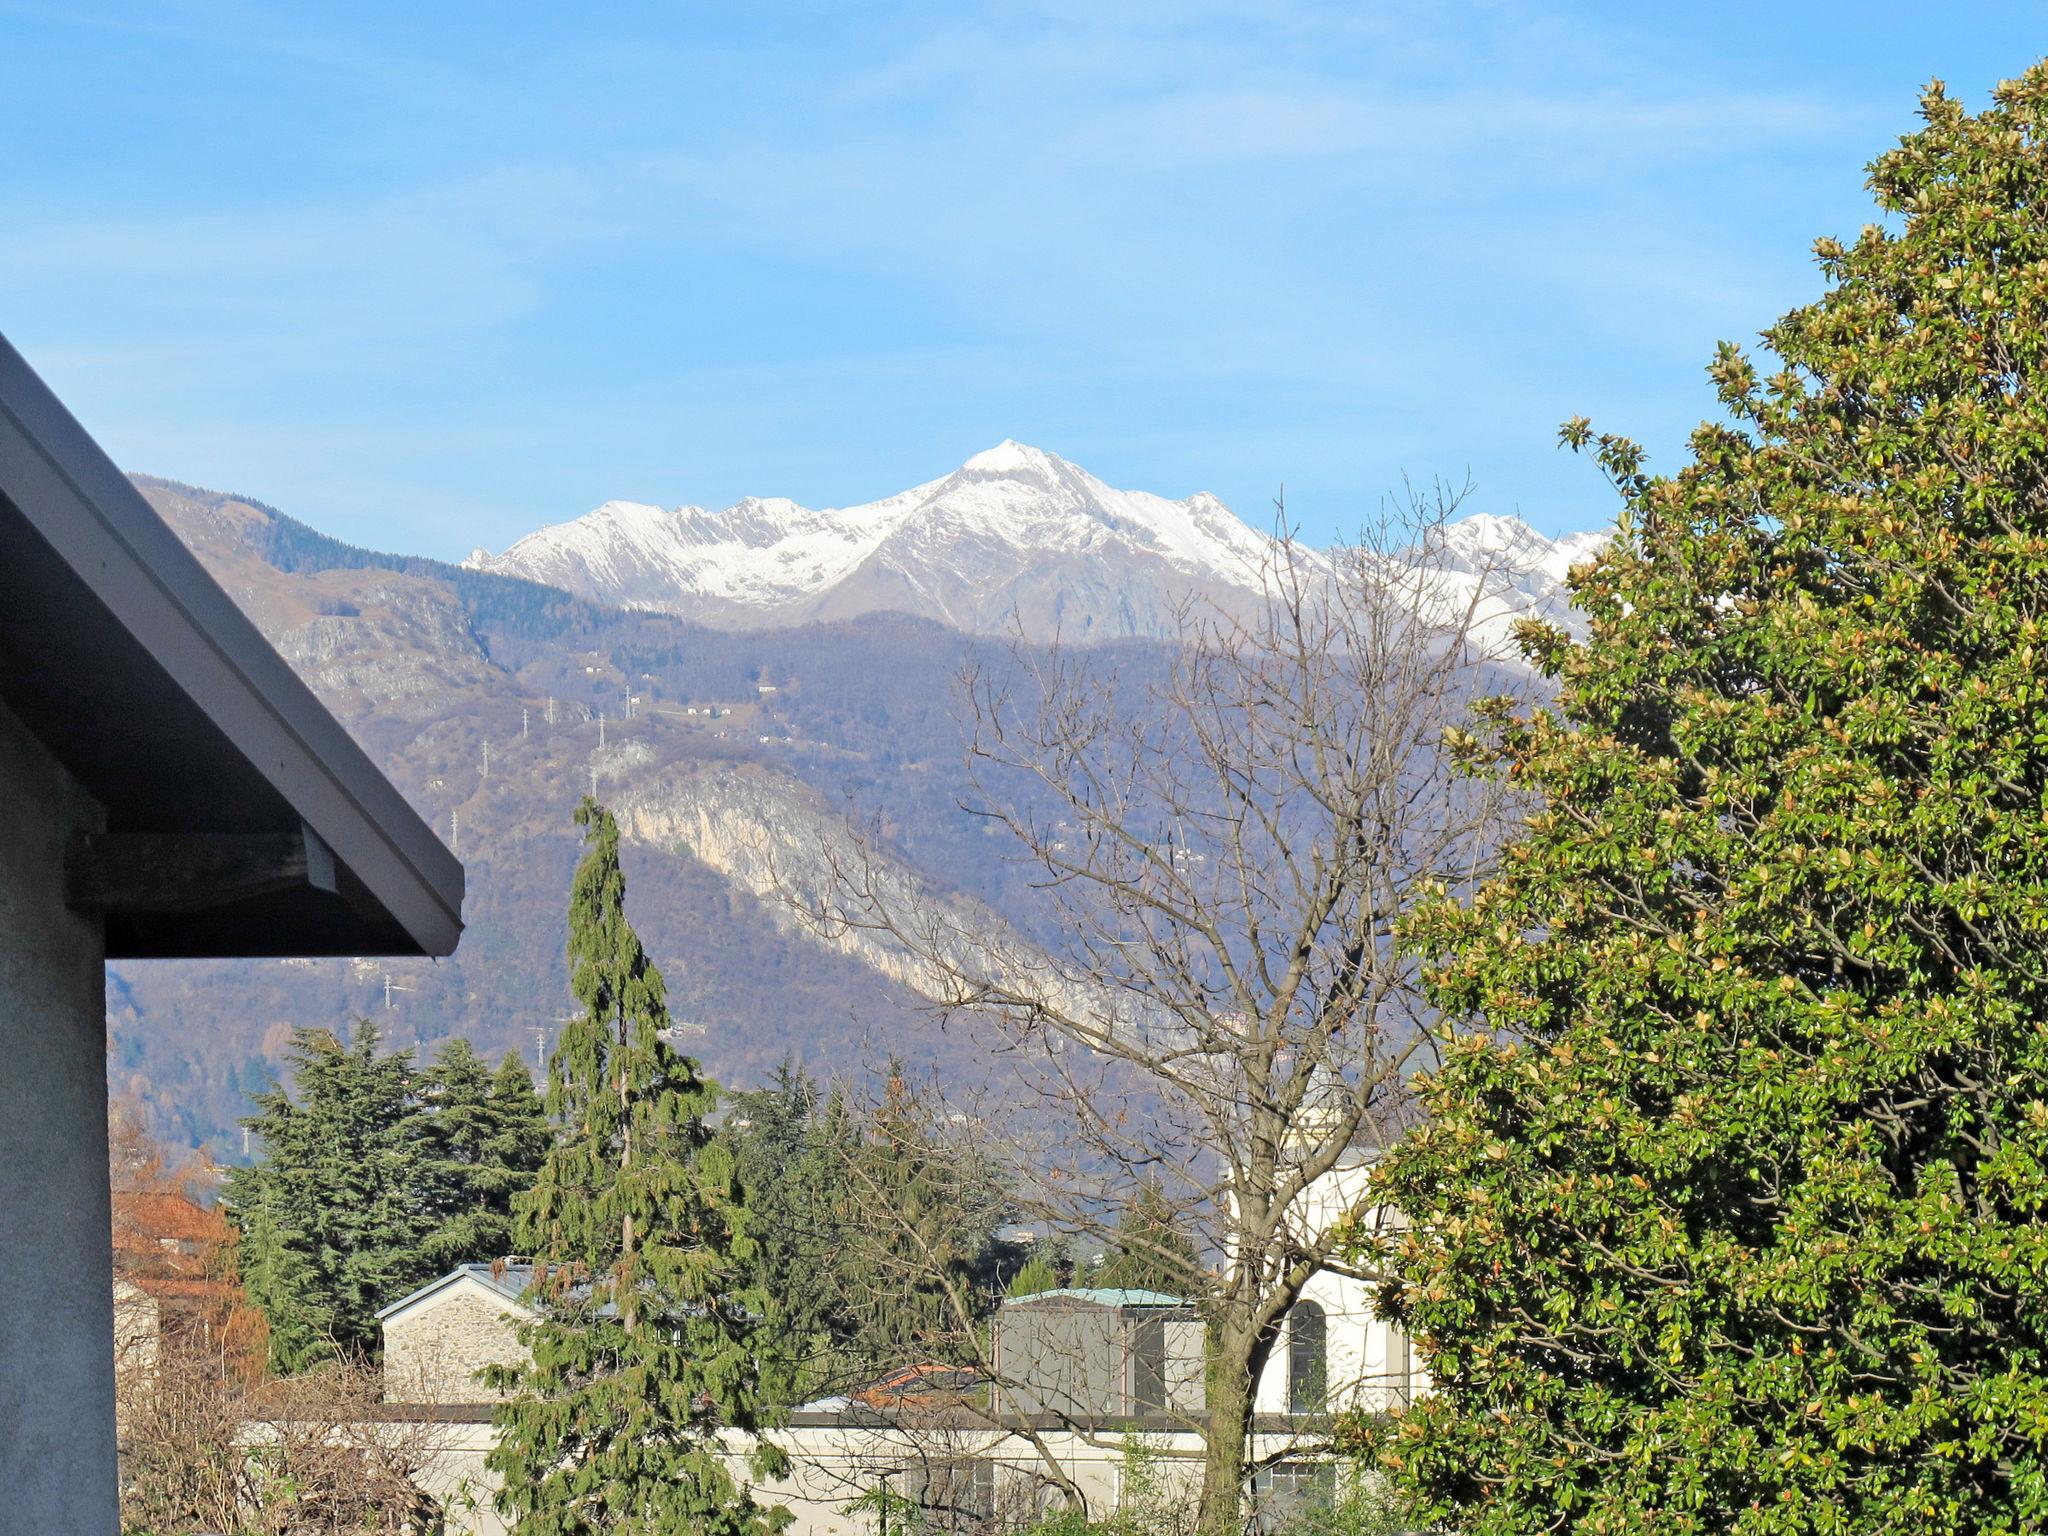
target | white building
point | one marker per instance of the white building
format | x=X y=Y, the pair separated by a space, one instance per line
x=1096 y=1390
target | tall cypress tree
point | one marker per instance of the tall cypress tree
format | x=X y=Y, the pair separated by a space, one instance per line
x=332 y=1215
x=486 y=1135
x=1731 y=1214
x=646 y=1349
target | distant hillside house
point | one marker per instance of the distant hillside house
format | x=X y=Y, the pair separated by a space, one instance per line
x=168 y=788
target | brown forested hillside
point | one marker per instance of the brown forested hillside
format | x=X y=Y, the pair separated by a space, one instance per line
x=432 y=667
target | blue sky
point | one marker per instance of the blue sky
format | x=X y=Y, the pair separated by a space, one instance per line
x=431 y=275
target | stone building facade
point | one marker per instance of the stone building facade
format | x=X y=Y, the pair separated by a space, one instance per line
x=438 y=1339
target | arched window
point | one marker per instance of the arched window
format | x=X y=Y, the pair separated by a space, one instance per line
x=1308 y=1358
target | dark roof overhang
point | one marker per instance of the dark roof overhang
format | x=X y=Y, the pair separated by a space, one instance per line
x=241 y=818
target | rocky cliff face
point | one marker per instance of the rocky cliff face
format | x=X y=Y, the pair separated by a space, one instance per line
x=784 y=844
x=741 y=762
x=781 y=843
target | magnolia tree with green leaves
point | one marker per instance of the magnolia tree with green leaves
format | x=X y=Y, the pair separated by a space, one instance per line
x=1731 y=1209
x=646 y=1357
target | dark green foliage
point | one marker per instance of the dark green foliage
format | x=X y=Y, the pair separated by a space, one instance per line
x=332 y=1218
x=1038 y=1274
x=372 y=1178
x=877 y=1230
x=487 y=1134
x=790 y=1147
x=1150 y=1250
x=647 y=1347
x=919 y=1268
x=1731 y=1214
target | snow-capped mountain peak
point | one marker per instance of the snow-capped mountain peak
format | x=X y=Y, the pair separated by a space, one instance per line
x=1012 y=457
x=1016 y=537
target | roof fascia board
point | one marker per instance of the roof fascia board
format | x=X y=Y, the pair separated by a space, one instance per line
x=84 y=508
x=453 y=1278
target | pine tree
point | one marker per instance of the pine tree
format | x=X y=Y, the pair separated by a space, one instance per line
x=486 y=1136
x=331 y=1216
x=790 y=1147
x=1731 y=1211
x=1150 y=1251
x=647 y=1346
x=920 y=1255
x=1038 y=1273
x=519 y=1134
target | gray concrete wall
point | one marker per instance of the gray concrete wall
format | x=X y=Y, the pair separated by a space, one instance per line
x=1063 y=1358
x=57 y=1473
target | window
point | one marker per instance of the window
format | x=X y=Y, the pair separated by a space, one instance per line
x=1287 y=1491
x=1167 y=1363
x=1308 y=1358
x=1148 y=1366
x=953 y=1497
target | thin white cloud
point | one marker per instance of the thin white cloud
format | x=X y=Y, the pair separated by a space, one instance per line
x=1188 y=218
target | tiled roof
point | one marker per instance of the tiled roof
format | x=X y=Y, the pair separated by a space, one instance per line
x=162 y=1214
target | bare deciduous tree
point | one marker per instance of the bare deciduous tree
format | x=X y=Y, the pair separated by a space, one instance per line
x=203 y=1448
x=1227 y=846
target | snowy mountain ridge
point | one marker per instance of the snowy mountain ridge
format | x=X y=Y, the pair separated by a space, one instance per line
x=1014 y=538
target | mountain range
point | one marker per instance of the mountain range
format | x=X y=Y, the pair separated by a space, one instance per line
x=743 y=687
x=1015 y=541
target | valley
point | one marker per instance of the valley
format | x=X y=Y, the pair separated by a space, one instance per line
x=735 y=754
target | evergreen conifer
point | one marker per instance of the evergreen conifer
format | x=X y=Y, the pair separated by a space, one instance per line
x=1150 y=1251
x=332 y=1220
x=790 y=1147
x=486 y=1136
x=646 y=1350
x=921 y=1254
x=1037 y=1274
